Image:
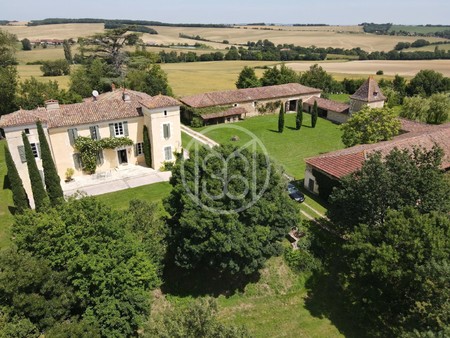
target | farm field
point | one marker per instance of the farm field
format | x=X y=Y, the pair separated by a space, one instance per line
x=327 y=36
x=430 y=48
x=418 y=29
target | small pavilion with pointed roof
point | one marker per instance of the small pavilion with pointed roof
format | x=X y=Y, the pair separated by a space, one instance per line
x=369 y=94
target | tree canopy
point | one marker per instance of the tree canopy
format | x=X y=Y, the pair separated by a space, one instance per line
x=247 y=78
x=370 y=125
x=402 y=178
x=428 y=82
x=228 y=243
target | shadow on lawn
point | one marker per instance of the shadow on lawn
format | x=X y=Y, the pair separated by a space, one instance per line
x=202 y=282
x=326 y=298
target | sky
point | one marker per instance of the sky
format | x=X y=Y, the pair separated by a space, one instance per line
x=338 y=12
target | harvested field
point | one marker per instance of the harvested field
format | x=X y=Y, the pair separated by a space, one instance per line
x=390 y=68
x=63 y=31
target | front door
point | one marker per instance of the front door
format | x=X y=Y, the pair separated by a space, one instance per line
x=122 y=155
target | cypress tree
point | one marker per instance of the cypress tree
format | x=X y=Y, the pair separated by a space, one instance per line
x=314 y=114
x=19 y=194
x=147 y=148
x=51 y=177
x=281 y=119
x=299 y=117
x=41 y=200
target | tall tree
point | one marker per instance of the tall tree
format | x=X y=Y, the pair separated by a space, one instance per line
x=397 y=274
x=8 y=88
x=7 y=48
x=152 y=81
x=299 y=117
x=206 y=233
x=383 y=123
x=26 y=44
x=281 y=119
x=317 y=77
x=67 y=51
x=51 y=177
x=147 y=148
x=427 y=82
x=19 y=194
x=247 y=78
x=402 y=178
x=314 y=115
x=40 y=197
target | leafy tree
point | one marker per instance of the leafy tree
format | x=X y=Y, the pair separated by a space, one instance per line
x=206 y=234
x=105 y=264
x=281 y=119
x=26 y=44
x=317 y=77
x=370 y=125
x=439 y=109
x=232 y=54
x=152 y=81
x=19 y=194
x=7 y=48
x=314 y=115
x=197 y=320
x=147 y=148
x=108 y=46
x=299 y=117
x=247 y=78
x=427 y=82
x=403 y=178
x=415 y=108
x=8 y=87
x=30 y=289
x=55 y=68
x=89 y=77
x=33 y=93
x=67 y=51
x=51 y=177
x=406 y=259
x=40 y=197
x=399 y=85
x=274 y=76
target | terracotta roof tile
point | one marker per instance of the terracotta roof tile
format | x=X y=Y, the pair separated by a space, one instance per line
x=345 y=161
x=369 y=92
x=247 y=95
x=230 y=112
x=325 y=104
x=107 y=106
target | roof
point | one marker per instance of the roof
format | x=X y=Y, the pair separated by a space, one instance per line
x=107 y=106
x=247 y=95
x=369 y=92
x=331 y=105
x=230 y=112
x=343 y=162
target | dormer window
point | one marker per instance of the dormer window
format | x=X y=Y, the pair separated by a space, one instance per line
x=27 y=131
x=165 y=112
x=375 y=94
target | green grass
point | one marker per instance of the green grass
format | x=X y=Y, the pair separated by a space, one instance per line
x=418 y=29
x=119 y=200
x=429 y=48
x=345 y=98
x=288 y=149
x=6 y=218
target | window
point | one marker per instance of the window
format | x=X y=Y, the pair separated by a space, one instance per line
x=118 y=129
x=73 y=134
x=139 y=149
x=166 y=130
x=27 y=131
x=165 y=112
x=255 y=103
x=95 y=135
x=168 y=153
x=100 y=157
x=235 y=105
x=77 y=161
x=35 y=149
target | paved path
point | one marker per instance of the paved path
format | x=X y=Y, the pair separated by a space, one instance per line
x=115 y=180
x=198 y=136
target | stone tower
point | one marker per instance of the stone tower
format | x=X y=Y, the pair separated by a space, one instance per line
x=369 y=94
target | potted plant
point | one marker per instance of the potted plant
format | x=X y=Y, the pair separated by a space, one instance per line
x=69 y=174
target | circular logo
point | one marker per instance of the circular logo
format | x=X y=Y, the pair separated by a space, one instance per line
x=225 y=181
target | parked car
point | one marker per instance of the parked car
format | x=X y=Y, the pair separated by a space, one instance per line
x=294 y=193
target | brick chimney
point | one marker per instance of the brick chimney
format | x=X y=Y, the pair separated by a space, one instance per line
x=52 y=104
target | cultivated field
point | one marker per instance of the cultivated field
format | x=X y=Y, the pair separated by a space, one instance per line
x=327 y=36
x=390 y=68
x=430 y=48
x=418 y=29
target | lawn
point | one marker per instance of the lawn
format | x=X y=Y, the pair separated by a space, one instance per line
x=151 y=193
x=288 y=149
x=6 y=201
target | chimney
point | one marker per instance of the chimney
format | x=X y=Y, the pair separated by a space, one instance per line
x=126 y=96
x=51 y=104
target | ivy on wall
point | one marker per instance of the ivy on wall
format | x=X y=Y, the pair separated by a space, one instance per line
x=89 y=149
x=268 y=107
